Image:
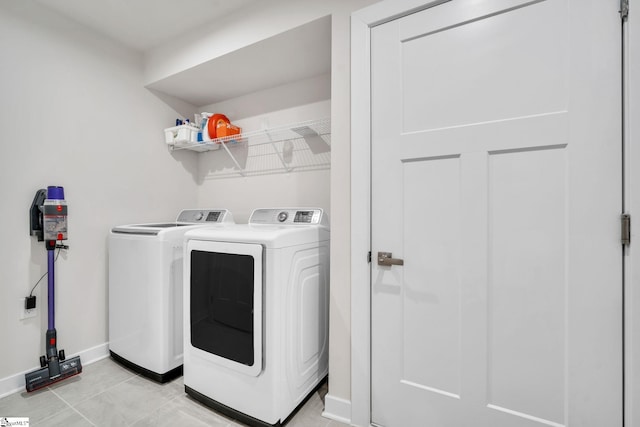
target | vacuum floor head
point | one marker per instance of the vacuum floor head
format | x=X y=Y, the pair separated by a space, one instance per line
x=49 y=375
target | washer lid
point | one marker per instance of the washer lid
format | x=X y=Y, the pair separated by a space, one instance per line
x=150 y=229
x=188 y=217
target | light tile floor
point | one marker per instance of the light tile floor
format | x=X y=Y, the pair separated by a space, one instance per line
x=107 y=394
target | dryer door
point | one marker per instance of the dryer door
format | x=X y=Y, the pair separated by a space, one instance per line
x=225 y=303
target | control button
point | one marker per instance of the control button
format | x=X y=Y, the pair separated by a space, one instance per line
x=282 y=216
x=199 y=216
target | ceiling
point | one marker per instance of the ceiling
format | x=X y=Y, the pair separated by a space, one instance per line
x=300 y=53
x=144 y=24
x=294 y=55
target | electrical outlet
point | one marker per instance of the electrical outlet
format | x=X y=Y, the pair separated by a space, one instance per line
x=24 y=313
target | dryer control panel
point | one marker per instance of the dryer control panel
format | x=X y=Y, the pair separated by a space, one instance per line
x=289 y=216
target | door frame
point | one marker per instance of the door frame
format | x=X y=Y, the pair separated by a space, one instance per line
x=631 y=273
x=362 y=22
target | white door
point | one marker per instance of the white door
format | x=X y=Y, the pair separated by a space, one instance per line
x=496 y=177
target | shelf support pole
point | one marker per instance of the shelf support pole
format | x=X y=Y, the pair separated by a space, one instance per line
x=284 y=164
x=224 y=145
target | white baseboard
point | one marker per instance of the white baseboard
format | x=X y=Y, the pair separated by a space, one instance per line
x=337 y=409
x=15 y=383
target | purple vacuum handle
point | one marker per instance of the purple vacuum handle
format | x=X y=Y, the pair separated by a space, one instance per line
x=51 y=288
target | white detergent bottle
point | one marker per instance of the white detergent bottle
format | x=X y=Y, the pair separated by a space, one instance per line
x=203 y=134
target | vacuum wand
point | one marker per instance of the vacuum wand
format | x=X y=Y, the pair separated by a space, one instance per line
x=51 y=337
x=51 y=262
x=50 y=225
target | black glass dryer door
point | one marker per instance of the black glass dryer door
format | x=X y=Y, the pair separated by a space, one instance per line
x=226 y=303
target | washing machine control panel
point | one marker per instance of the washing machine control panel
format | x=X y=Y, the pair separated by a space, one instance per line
x=301 y=216
x=197 y=216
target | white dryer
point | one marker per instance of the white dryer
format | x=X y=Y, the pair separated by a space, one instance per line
x=256 y=313
x=145 y=292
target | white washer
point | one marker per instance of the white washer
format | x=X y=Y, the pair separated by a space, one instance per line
x=145 y=292
x=256 y=313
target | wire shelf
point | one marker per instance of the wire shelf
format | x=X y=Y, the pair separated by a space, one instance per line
x=299 y=146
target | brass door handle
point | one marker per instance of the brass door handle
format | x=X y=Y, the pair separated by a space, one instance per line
x=385 y=258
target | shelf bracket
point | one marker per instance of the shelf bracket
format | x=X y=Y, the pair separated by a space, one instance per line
x=224 y=145
x=275 y=148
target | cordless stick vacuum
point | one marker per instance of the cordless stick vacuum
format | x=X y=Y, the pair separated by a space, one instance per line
x=49 y=224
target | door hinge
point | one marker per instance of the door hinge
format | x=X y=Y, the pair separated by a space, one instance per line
x=369 y=257
x=624 y=9
x=625 y=229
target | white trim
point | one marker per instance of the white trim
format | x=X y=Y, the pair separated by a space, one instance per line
x=15 y=383
x=632 y=201
x=361 y=23
x=385 y=11
x=337 y=409
x=360 y=221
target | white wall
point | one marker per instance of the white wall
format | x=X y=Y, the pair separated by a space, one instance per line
x=73 y=112
x=243 y=194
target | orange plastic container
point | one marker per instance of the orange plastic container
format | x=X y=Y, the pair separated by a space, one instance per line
x=227 y=129
x=212 y=124
x=220 y=126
